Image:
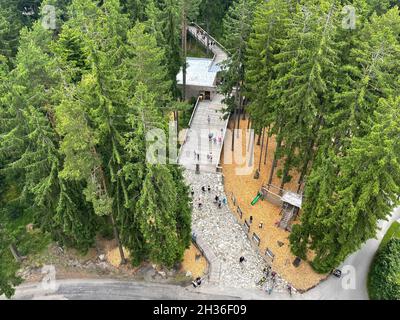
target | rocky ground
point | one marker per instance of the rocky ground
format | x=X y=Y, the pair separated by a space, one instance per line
x=225 y=237
x=70 y=264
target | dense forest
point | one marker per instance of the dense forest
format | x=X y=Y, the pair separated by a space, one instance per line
x=77 y=100
x=327 y=89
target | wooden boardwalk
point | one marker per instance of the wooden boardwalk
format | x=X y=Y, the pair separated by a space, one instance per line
x=207 y=119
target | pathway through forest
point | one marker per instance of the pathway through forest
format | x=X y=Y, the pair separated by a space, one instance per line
x=223 y=238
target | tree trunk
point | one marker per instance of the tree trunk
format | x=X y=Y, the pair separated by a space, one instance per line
x=116 y=235
x=208 y=40
x=252 y=137
x=275 y=162
x=259 y=138
x=266 y=147
x=286 y=169
x=244 y=109
x=261 y=150
x=310 y=152
x=184 y=53
x=238 y=109
x=15 y=253
x=176 y=115
x=114 y=226
x=233 y=131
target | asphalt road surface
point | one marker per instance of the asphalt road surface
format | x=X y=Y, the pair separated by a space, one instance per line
x=352 y=285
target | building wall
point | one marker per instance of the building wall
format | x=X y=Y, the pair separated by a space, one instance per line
x=194 y=91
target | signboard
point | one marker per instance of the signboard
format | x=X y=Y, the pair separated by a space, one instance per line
x=239 y=212
x=256 y=239
x=246 y=226
x=269 y=254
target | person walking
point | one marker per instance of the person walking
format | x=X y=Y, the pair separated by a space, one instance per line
x=209 y=119
x=251 y=219
x=242 y=259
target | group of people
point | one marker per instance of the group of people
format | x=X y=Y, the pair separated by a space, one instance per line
x=267 y=273
x=197 y=282
x=219 y=201
x=213 y=138
x=205 y=37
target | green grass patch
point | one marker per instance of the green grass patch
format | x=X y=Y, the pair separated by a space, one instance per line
x=392 y=232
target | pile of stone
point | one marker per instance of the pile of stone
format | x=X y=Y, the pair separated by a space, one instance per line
x=219 y=229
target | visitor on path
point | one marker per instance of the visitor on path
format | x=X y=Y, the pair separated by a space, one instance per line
x=289 y=289
x=242 y=259
x=215 y=140
x=260 y=226
x=192 y=192
x=196 y=283
x=225 y=201
x=200 y=205
x=198 y=157
x=208 y=188
x=195 y=154
x=219 y=204
x=216 y=199
x=208 y=119
x=251 y=219
x=203 y=188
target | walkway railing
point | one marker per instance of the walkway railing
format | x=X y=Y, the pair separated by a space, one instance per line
x=219 y=164
x=189 y=126
x=209 y=36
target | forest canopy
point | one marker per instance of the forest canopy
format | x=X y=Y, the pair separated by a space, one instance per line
x=78 y=96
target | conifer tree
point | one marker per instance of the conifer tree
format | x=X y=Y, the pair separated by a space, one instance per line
x=146 y=63
x=359 y=189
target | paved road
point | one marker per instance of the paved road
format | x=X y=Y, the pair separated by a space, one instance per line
x=361 y=260
x=124 y=290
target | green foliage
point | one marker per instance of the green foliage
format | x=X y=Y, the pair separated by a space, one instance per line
x=348 y=195
x=393 y=232
x=211 y=13
x=8 y=268
x=237 y=27
x=329 y=94
x=384 y=277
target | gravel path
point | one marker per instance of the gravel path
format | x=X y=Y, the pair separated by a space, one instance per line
x=219 y=229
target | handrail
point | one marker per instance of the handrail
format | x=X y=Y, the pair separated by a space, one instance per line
x=222 y=145
x=194 y=111
x=205 y=44
x=189 y=126
x=211 y=37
